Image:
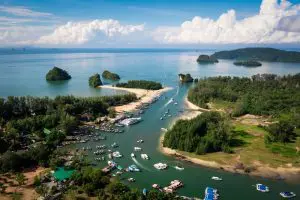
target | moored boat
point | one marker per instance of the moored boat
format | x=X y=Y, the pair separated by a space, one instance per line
x=160 y=166
x=144 y=156
x=132 y=155
x=137 y=149
x=287 y=195
x=262 y=188
x=215 y=178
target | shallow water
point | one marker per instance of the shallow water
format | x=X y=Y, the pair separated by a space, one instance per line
x=24 y=74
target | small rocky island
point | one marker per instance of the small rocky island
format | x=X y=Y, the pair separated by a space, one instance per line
x=95 y=80
x=185 y=78
x=109 y=75
x=205 y=59
x=57 y=74
x=248 y=63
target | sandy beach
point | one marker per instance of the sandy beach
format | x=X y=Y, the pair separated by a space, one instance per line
x=144 y=96
x=288 y=173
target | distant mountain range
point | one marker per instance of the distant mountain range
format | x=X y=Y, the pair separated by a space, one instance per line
x=260 y=54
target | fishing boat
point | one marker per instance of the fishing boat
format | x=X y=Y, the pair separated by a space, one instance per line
x=137 y=149
x=117 y=154
x=287 y=195
x=215 y=178
x=144 y=156
x=131 y=180
x=160 y=166
x=132 y=155
x=262 y=188
x=179 y=168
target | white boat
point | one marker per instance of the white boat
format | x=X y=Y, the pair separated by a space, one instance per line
x=160 y=166
x=140 y=141
x=137 y=149
x=161 y=118
x=132 y=155
x=130 y=121
x=287 y=195
x=117 y=154
x=179 y=168
x=144 y=156
x=131 y=180
x=215 y=178
x=262 y=188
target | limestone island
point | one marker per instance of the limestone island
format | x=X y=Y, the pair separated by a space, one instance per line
x=95 y=80
x=185 y=78
x=205 y=59
x=262 y=54
x=109 y=75
x=248 y=63
x=57 y=74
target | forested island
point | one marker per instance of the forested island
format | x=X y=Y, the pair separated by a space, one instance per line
x=95 y=81
x=248 y=63
x=209 y=132
x=185 y=78
x=260 y=54
x=141 y=84
x=109 y=75
x=57 y=74
x=205 y=59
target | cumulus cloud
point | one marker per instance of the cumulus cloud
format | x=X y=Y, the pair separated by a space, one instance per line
x=23 y=11
x=275 y=23
x=82 y=32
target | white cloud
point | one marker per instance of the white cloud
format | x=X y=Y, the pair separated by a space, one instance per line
x=82 y=32
x=275 y=23
x=23 y=11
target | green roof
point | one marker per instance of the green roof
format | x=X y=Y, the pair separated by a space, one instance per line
x=61 y=174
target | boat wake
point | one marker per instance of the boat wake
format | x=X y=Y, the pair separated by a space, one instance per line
x=172 y=98
x=140 y=165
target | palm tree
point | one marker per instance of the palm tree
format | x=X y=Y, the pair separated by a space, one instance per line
x=20 y=178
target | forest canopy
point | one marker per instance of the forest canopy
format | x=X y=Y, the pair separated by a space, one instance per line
x=109 y=75
x=141 y=84
x=95 y=81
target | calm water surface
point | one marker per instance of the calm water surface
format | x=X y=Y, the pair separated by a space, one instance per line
x=24 y=74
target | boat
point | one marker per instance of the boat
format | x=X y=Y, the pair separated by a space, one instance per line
x=114 y=145
x=211 y=194
x=117 y=154
x=161 y=118
x=262 y=188
x=144 y=191
x=179 y=168
x=155 y=186
x=160 y=166
x=287 y=195
x=133 y=168
x=131 y=180
x=144 y=156
x=163 y=129
x=132 y=155
x=215 y=178
x=137 y=149
x=140 y=141
x=130 y=121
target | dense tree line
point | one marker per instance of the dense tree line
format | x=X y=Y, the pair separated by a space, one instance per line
x=95 y=81
x=57 y=74
x=265 y=94
x=109 y=75
x=141 y=84
x=208 y=132
x=248 y=63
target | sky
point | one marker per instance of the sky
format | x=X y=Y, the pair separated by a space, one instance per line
x=149 y=23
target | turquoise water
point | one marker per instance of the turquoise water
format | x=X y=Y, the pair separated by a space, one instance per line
x=23 y=74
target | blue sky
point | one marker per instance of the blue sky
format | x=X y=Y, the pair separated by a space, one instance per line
x=149 y=22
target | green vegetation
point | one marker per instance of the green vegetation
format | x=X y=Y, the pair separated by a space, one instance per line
x=39 y=125
x=261 y=54
x=57 y=74
x=95 y=81
x=282 y=132
x=141 y=84
x=209 y=132
x=185 y=78
x=205 y=59
x=109 y=75
x=265 y=94
x=248 y=63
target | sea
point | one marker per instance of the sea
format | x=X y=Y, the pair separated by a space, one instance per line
x=22 y=73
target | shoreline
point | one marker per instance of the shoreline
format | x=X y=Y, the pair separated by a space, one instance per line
x=144 y=96
x=291 y=174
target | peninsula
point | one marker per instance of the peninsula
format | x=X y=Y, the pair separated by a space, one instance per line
x=57 y=74
x=261 y=54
